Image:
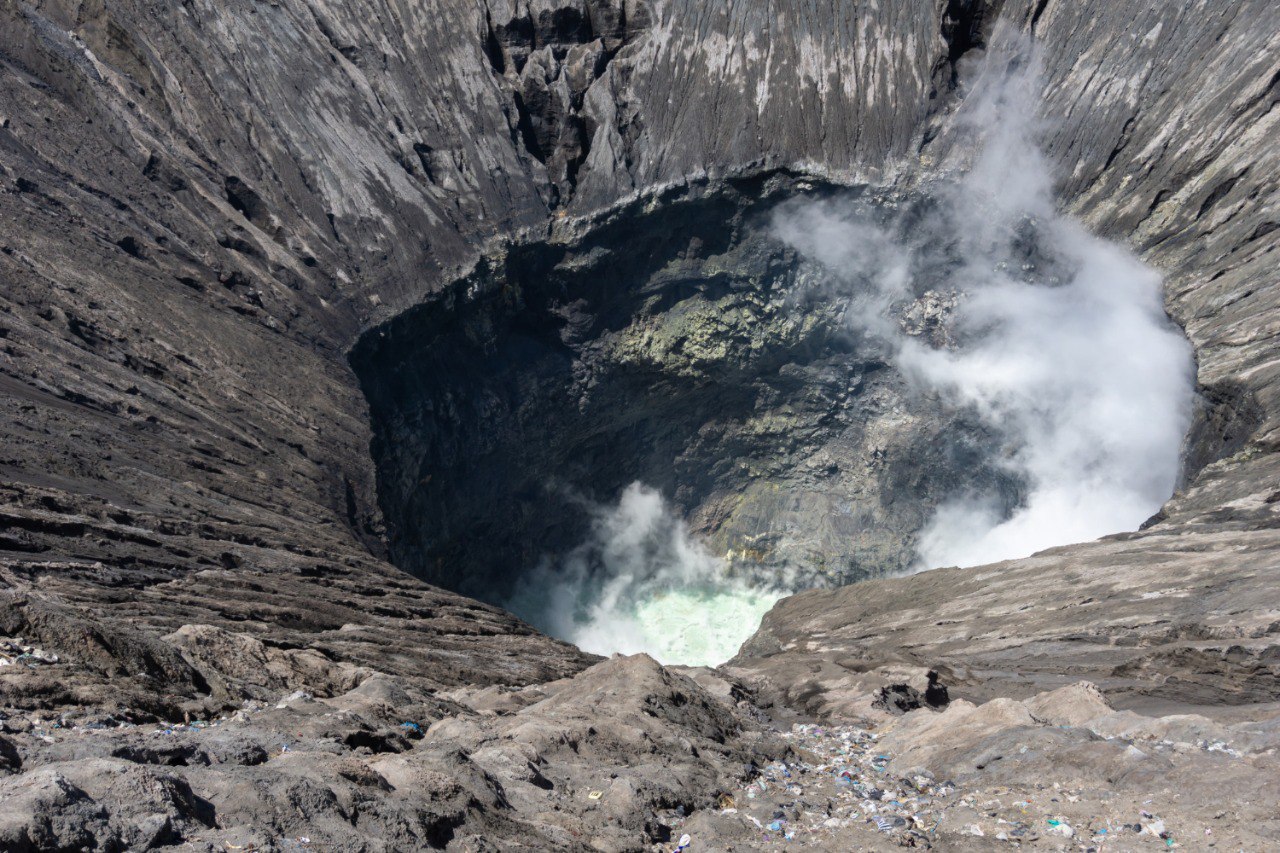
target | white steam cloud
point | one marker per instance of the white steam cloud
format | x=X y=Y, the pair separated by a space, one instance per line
x=1054 y=339
x=1075 y=365
x=642 y=583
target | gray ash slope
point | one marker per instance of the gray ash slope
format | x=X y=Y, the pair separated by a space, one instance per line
x=204 y=206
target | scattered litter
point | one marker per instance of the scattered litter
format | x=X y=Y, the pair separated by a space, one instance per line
x=595 y=795
x=1062 y=828
x=843 y=766
x=295 y=696
x=841 y=779
x=1220 y=746
x=15 y=651
x=685 y=841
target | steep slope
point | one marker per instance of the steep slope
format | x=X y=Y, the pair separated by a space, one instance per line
x=1185 y=609
x=205 y=204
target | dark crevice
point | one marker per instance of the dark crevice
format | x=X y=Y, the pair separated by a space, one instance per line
x=130 y=246
x=1157 y=200
x=1271 y=90
x=1263 y=230
x=376 y=742
x=574 y=163
x=1035 y=16
x=426 y=156
x=492 y=48
x=1226 y=417
x=346 y=49
x=528 y=135
x=10 y=758
x=1120 y=145
x=361 y=522
x=964 y=27
x=167 y=176
x=1220 y=192
x=177 y=755
x=243 y=198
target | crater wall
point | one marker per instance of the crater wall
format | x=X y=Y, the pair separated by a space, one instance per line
x=681 y=344
x=204 y=205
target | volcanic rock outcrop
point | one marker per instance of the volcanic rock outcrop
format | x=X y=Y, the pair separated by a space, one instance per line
x=205 y=207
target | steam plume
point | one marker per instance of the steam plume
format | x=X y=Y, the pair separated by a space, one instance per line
x=1062 y=344
x=1057 y=341
x=641 y=583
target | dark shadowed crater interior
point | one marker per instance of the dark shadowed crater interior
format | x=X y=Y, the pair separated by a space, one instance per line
x=678 y=343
